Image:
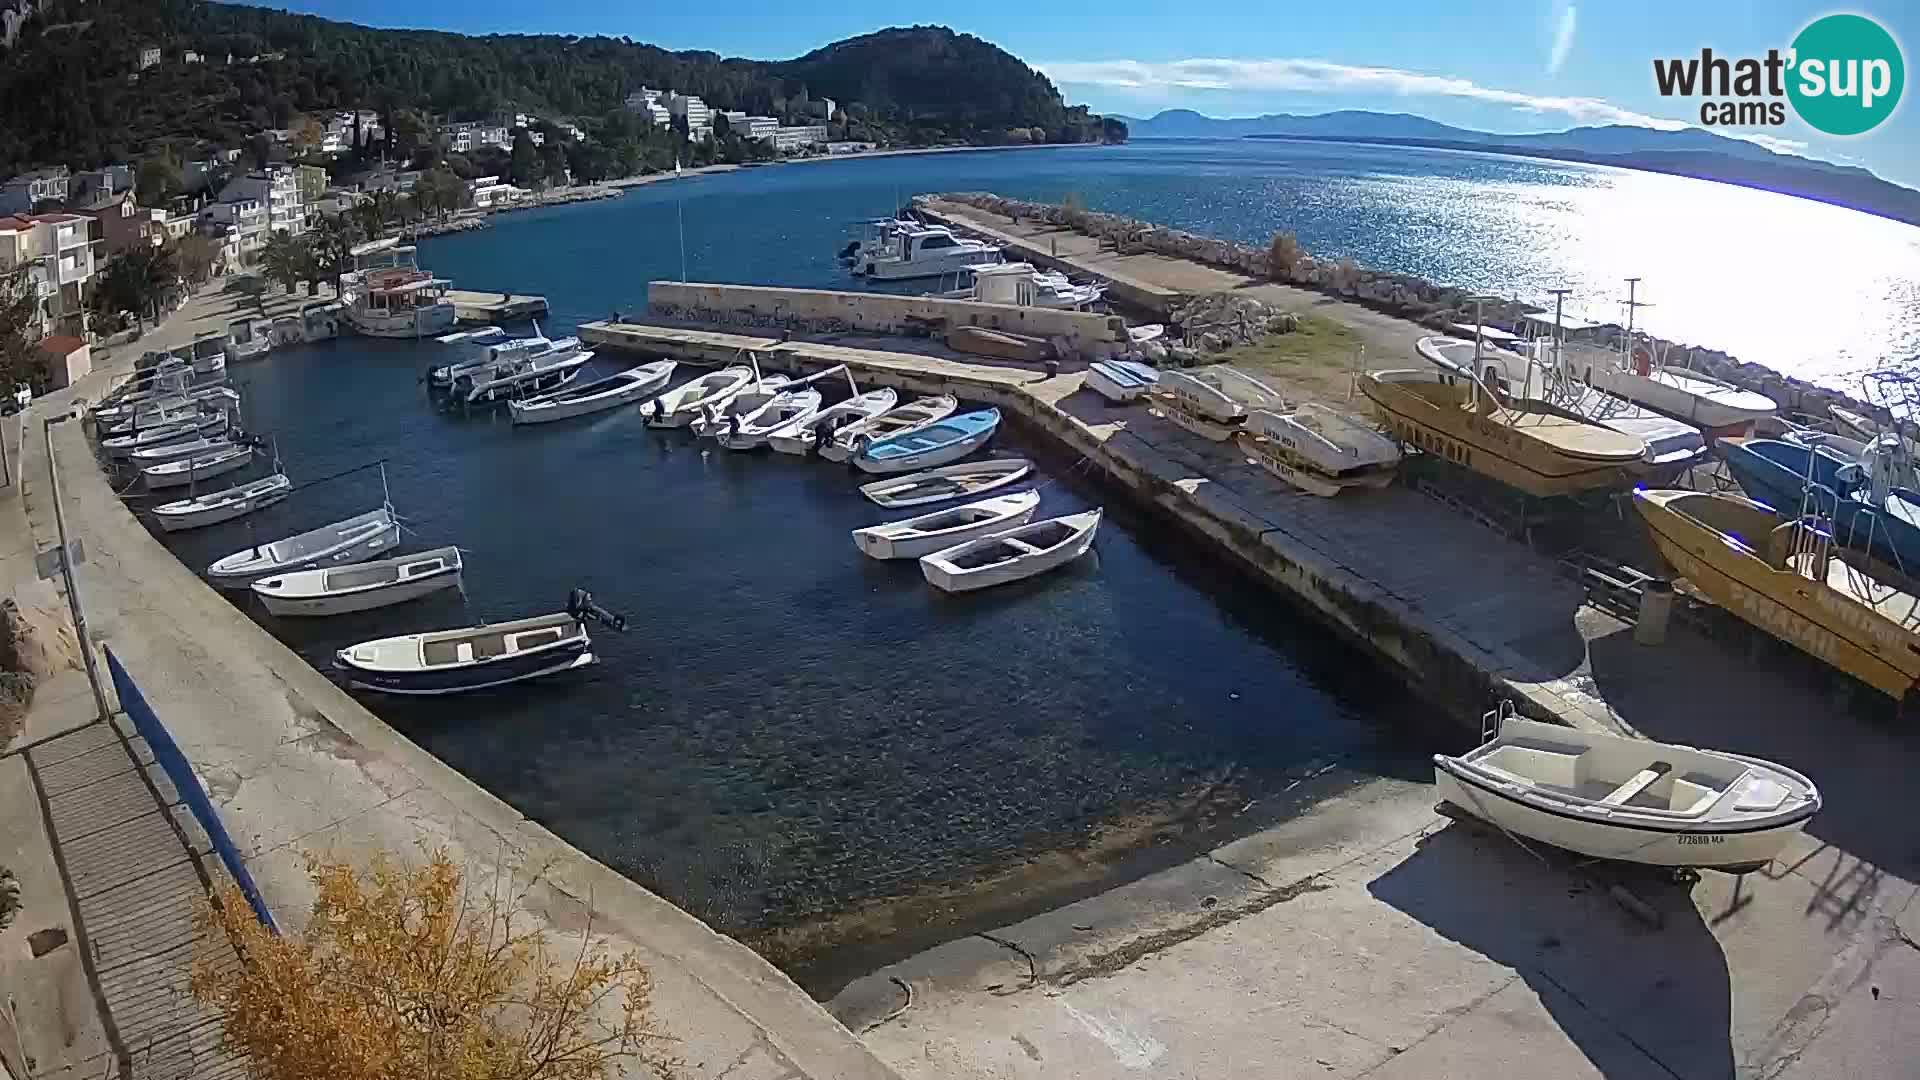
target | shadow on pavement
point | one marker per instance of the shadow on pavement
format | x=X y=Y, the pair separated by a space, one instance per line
x=1637 y=1001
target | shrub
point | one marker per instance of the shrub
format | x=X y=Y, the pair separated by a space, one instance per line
x=1283 y=257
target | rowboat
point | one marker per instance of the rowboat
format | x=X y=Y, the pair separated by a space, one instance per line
x=356 y=539
x=1631 y=800
x=943 y=529
x=633 y=384
x=1220 y=394
x=936 y=444
x=219 y=506
x=124 y=445
x=1325 y=438
x=1121 y=381
x=474 y=658
x=749 y=399
x=1017 y=553
x=174 y=451
x=948 y=482
x=229 y=458
x=112 y=419
x=787 y=407
x=685 y=403
x=899 y=420
x=1776 y=573
x=1527 y=445
x=360 y=587
x=802 y=435
x=175 y=413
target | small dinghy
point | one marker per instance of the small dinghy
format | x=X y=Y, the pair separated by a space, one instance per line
x=230 y=458
x=478 y=657
x=900 y=420
x=936 y=444
x=802 y=436
x=361 y=587
x=942 y=529
x=787 y=407
x=685 y=403
x=234 y=502
x=633 y=384
x=353 y=540
x=1121 y=381
x=155 y=455
x=123 y=446
x=716 y=418
x=1012 y=555
x=1633 y=800
x=949 y=482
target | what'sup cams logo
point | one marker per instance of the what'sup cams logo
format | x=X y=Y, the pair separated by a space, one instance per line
x=1842 y=75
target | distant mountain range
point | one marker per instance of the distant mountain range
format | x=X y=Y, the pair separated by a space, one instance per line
x=1687 y=152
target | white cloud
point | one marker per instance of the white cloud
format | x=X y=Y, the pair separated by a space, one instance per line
x=1562 y=40
x=1178 y=78
x=1772 y=142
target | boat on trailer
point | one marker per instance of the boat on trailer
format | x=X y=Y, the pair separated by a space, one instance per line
x=633 y=384
x=352 y=540
x=687 y=402
x=936 y=444
x=899 y=420
x=943 y=529
x=1630 y=800
x=1012 y=555
x=946 y=482
x=801 y=436
x=219 y=506
x=361 y=587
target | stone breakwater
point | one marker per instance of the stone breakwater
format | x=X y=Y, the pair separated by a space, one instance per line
x=1404 y=295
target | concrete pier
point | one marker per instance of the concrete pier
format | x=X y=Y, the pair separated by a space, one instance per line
x=487 y=308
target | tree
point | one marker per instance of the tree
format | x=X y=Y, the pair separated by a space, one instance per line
x=525 y=165
x=136 y=282
x=406 y=133
x=260 y=147
x=197 y=255
x=19 y=321
x=404 y=972
x=285 y=259
x=306 y=135
x=158 y=179
x=553 y=162
x=722 y=127
x=331 y=242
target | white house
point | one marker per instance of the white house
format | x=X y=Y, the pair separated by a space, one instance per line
x=278 y=189
x=149 y=56
x=488 y=193
x=61 y=248
x=239 y=223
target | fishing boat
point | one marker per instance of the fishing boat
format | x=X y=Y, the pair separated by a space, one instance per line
x=750 y=431
x=936 y=444
x=172 y=413
x=801 y=436
x=919 y=251
x=1017 y=553
x=749 y=399
x=1630 y=800
x=474 y=658
x=123 y=446
x=1121 y=381
x=899 y=420
x=219 y=506
x=633 y=384
x=945 y=483
x=942 y=529
x=1780 y=574
x=174 y=451
x=361 y=587
x=203 y=466
x=502 y=357
x=1526 y=445
x=160 y=411
x=545 y=372
x=685 y=403
x=1320 y=449
x=1212 y=402
x=355 y=539
x=388 y=295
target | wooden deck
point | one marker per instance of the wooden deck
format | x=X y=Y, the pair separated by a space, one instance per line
x=488 y=308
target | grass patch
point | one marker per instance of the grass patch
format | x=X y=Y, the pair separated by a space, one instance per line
x=1313 y=362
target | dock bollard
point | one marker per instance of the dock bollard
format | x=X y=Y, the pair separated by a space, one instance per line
x=1656 y=605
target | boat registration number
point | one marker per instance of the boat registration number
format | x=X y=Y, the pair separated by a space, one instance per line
x=1702 y=838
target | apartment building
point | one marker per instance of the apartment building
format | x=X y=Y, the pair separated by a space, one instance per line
x=698 y=116
x=59 y=247
x=786 y=139
x=22 y=193
x=277 y=189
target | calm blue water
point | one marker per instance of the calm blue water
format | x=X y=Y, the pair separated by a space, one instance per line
x=1724 y=267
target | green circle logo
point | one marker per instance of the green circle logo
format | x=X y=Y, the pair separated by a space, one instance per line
x=1847 y=74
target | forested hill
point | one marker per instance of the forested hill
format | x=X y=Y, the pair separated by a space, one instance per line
x=66 y=95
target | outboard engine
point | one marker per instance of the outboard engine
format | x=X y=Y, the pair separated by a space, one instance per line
x=580 y=605
x=852 y=249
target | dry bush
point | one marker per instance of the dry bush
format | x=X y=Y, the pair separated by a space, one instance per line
x=1346 y=274
x=1283 y=256
x=403 y=974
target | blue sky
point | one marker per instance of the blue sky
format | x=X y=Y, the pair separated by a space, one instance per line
x=1499 y=65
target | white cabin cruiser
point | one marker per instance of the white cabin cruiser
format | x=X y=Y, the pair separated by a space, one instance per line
x=919 y=251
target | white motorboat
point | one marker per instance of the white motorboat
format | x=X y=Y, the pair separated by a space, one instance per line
x=174 y=451
x=112 y=419
x=1318 y=449
x=171 y=414
x=943 y=529
x=1632 y=800
x=1024 y=285
x=362 y=586
x=123 y=446
x=203 y=466
x=219 y=506
x=899 y=420
x=247 y=339
x=946 y=482
x=501 y=357
x=687 y=402
x=1212 y=402
x=388 y=295
x=803 y=435
x=473 y=658
x=356 y=539
x=787 y=407
x=933 y=445
x=717 y=416
x=531 y=375
x=918 y=251
x=1017 y=553
x=1121 y=381
x=633 y=384
x=476 y=337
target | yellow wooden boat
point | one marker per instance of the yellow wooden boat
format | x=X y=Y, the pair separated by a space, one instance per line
x=1527 y=445
x=1782 y=577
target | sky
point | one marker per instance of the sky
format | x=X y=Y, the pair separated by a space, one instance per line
x=1493 y=65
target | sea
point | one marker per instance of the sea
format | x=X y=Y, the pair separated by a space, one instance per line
x=819 y=752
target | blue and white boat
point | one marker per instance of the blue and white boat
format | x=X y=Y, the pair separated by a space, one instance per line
x=474 y=658
x=1121 y=381
x=1785 y=475
x=936 y=444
